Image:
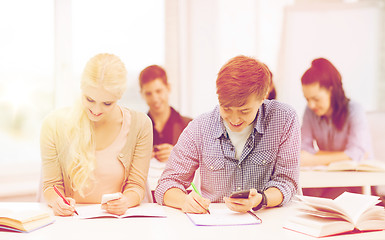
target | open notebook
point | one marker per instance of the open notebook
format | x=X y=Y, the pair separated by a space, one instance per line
x=224 y=217
x=143 y=210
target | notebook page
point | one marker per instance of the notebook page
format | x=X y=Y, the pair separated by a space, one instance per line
x=223 y=217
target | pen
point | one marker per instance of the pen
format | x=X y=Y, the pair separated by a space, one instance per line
x=253 y=214
x=196 y=190
x=62 y=197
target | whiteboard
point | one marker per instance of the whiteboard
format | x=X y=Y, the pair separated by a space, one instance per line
x=347 y=34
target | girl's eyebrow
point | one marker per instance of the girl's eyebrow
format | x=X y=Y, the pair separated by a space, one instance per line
x=90 y=98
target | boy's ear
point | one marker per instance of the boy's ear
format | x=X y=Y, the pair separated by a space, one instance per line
x=266 y=95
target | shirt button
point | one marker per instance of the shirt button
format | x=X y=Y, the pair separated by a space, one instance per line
x=238 y=188
x=264 y=161
x=211 y=167
x=121 y=155
x=239 y=166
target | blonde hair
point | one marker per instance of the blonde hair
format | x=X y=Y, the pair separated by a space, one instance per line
x=103 y=70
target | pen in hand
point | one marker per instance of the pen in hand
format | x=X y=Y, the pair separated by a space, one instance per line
x=62 y=197
x=196 y=190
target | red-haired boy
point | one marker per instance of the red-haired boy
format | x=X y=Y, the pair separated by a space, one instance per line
x=245 y=143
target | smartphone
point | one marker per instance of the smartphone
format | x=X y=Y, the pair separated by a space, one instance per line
x=240 y=194
x=109 y=197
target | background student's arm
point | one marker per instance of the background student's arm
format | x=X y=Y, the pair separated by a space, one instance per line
x=163 y=151
x=358 y=146
x=357 y=139
x=307 y=135
x=322 y=158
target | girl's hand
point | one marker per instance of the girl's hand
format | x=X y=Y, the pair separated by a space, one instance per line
x=118 y=206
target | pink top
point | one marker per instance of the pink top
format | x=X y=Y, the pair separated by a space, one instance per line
x=109 y=170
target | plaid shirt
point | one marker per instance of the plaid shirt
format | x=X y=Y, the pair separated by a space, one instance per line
x=270 y=157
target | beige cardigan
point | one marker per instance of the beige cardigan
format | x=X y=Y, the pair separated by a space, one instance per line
x=135 y=155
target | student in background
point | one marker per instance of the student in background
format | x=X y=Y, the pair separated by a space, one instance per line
x=335 y=123
x=96 y=147
x=168 y=124
x=244 y=143
x=272 y=92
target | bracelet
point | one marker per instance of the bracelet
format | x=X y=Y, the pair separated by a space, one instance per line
x=263 y=202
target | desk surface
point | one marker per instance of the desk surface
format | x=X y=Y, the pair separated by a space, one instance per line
x=175 y=226
x=340 y=178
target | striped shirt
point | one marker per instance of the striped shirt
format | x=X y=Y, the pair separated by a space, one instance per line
x=270 y=157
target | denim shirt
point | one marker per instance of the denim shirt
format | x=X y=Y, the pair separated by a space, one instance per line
x=270 y=157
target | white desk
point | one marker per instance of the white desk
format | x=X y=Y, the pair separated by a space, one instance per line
x=176 y=226
x=310 y=179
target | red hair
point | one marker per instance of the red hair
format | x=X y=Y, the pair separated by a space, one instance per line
x=241 y=77
x=151 y=73
x=322 y=71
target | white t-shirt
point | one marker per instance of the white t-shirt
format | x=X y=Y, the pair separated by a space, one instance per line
x=238 y=139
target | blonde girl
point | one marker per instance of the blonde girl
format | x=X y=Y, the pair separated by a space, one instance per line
x=97 y=146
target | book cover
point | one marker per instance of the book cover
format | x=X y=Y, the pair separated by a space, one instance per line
x=24 y=220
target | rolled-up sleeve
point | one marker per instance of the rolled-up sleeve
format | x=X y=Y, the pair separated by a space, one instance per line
x=181 y=165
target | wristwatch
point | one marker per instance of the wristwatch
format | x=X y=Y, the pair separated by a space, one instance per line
x=263 y=202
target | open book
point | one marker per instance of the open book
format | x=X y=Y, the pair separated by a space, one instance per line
x=21 y=219
x=321 y=217
x=224 y=217
x=143 y=210
x=369 y=166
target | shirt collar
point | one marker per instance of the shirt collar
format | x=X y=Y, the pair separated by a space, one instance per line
x=220 y=129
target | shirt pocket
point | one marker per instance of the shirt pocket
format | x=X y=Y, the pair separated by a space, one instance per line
x=262 y=163
x=213 y=173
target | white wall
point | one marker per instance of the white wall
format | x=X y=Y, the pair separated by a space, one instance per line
x=211 y=32
x=347 y=34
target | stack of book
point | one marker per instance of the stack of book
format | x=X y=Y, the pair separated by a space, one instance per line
x=350 y=212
